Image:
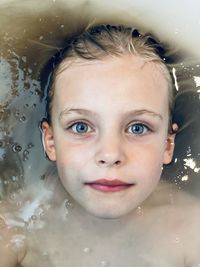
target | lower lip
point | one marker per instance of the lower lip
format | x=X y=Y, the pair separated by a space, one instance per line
x=106 y=188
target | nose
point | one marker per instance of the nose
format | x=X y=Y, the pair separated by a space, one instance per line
x=110 y=153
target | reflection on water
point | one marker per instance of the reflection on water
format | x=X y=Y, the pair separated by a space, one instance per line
x=27 y=180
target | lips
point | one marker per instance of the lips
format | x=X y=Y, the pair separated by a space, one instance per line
x=108 y=185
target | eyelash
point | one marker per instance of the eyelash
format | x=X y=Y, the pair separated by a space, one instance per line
x=70 y=127
x=75 y=124
x=148 y=129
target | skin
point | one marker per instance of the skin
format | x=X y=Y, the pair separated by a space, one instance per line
x=109 y=98
x=153 y=234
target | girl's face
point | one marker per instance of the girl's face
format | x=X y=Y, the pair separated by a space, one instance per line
x=109 y=133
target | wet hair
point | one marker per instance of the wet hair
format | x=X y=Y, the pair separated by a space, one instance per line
x=100 y=42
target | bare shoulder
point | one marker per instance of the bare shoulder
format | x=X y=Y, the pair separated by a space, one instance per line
x=179 y=216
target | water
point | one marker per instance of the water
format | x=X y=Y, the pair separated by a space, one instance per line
x=27 y=42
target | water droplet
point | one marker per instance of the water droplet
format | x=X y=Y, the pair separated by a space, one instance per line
x=104 y=263
x=16 y=148
x=139 y=211
x=87 y=250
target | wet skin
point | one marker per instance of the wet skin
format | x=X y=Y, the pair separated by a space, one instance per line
x=110 y=122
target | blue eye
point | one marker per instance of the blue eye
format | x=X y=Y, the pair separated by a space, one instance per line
x=80 y=128
x=138 y=129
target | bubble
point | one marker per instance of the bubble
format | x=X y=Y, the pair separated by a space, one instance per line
x=22 y=118
x=17 y=113
x=62 y=26
x=34 y=217
x=139 y=211
x=25 y=158
x=14 y=178
x=16 y=148
x=30 y=145
x=26 y=152
x=24 y=59
x=41 y=37
x=68 y=204
x=13 y=196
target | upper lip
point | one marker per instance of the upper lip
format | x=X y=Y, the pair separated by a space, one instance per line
x=109 y=182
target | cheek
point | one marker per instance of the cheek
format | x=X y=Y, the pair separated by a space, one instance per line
x=148 y=159
x=72 y=159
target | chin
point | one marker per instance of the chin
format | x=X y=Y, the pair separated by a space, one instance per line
x=108 y=214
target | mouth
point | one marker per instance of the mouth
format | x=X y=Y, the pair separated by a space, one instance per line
x=107 y=185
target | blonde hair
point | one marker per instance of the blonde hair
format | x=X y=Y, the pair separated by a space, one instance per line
x=101 y=41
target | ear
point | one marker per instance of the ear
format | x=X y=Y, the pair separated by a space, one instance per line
x=169 y=148
x=48 y=140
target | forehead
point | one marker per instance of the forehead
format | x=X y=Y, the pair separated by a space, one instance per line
x=125 y=80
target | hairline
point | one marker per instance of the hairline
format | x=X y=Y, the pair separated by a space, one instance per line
x=77 y=59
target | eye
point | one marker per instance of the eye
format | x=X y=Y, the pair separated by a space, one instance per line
x=138 y=129
x=80 y=128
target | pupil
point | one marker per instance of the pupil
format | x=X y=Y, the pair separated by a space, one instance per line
x=81 y=127
x=137 y=128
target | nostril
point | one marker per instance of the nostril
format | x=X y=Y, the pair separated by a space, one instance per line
x=117 y=162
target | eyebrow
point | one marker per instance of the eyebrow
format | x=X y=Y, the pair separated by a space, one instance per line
x=138 y=112
x=80 y=111
x=87 y=112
